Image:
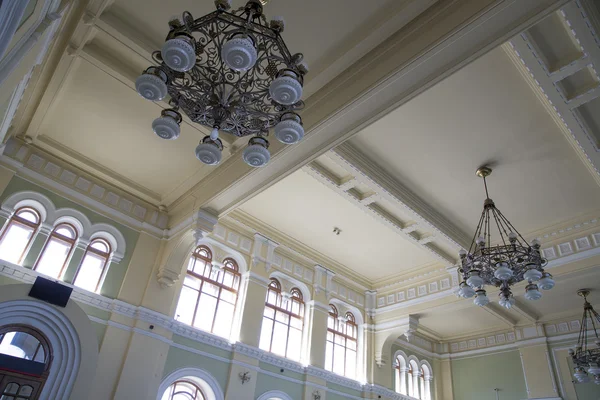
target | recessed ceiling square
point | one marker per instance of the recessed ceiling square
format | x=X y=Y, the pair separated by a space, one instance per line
x=579 y=83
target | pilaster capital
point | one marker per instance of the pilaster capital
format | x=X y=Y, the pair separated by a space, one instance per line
x=317 y=305
x=260 y=241
x=203 y=223
x=253 y=277
x=167 y=278
x=323 y=273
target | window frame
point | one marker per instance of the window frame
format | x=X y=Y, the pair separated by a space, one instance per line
x=16 y=219
x=230 y=265
x=43 y=342
x=60 y=237
x=336 y=331
x=107 y=259
x=189 y=382
x=295 y=295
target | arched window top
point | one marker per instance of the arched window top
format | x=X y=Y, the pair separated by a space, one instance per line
x=28 y=214
x=208 y=385
x=275 y=284
x=203 y=252
x=230 y=264
x=350 y=318
x=184 y=389
x=333 y=311
x=100 y=245
x=65 y=231
x=25 y=343
x=296 y=293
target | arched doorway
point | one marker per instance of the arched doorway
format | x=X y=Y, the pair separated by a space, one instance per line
x=25 y=358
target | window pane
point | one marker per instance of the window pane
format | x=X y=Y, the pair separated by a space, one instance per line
x=282 y=317
x=192 y=282
x=279 y=339
x=265 y=334
x=53 y=258
x=210 y=289
x=329 y=356
x=223 y=319
x=19 y=344
x=186 y=305
x=66 y=231
x=294 y=344
x=269 y=313
x=272 y=297
x=100 y=245
x=29 y=216
x=296 y=323
x=205 y=313
x=14 y=242
x=350 y=364
x=228 y=279
x=338 y=359
x=90 y=271
x=228 y=296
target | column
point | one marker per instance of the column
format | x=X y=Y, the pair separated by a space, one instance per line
x=75 y=261
x=317 y=332
x=252 y=308
x=401 y=387
x=416 y=376
x=427 y=393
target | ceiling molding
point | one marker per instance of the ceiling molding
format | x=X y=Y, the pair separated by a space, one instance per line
x=550 y=82
x=497 y=312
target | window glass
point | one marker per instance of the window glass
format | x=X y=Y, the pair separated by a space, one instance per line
x=93 y=266
x=17 y=234
x=209 y=293
x=342 y=344
x=281 y=331
x=183 y=390
x=22 y=345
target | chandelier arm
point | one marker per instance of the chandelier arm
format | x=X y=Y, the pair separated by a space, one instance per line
x=513 y=229
x=499 y=224
x=593 y=314
x=487 y=225
x=472 y=247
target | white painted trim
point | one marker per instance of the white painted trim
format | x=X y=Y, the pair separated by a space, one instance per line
x=274 y=394
x=202 y=378
x=62 y=337
x=415 y=301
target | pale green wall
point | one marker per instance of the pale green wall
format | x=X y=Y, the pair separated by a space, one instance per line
x=475 y=378
x=264 y=383
x=179 y=358
x=116 y=272
x=586 y=391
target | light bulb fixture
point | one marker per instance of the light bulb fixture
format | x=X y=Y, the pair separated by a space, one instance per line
x=502 y=261
x=230 y=70
x=586 y=356
x=167 y=126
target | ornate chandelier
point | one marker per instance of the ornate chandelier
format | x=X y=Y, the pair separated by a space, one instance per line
x=231 y=72
x=587 y=360
x=502 y=262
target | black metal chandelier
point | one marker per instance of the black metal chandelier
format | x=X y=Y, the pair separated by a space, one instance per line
x=501 y=262
x=587 y=359
x=231 y=72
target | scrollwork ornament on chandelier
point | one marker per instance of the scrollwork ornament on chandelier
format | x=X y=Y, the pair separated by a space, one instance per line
x=230 y=71
x=502 y=261
x=586 y=358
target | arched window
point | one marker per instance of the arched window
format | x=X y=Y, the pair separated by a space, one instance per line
x=25 y=358
x=342 y=333
x=93 y=266
x=55 y=254
x=401 y=370
x=426 y=378
x=209 y=293
x=183 y=390
x=283 y=318
x=18 y=233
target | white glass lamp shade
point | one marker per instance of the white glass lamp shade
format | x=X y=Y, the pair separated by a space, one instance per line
x=151 y=87
x=239 y=54
x=532 y=292
x=475 y=280
x=481 y=299
x=209 y=152
x=532 y=275
x=580 y=375
x=597 y=380
x=594 y=369
x=167 y=125
x=179 y=53
x=503 y=272
x=546 y=282
x=256 y=154
x=507 y=302
x=286 y=90
x=468 y=292
x=289 y=130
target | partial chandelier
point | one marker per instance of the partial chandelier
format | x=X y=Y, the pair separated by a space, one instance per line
x=586 y=359
x=503 y=261
x=232 y=72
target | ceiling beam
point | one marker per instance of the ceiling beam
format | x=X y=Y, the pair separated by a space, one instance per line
x=497 y=312
x=524 y=312
x=437 y=43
